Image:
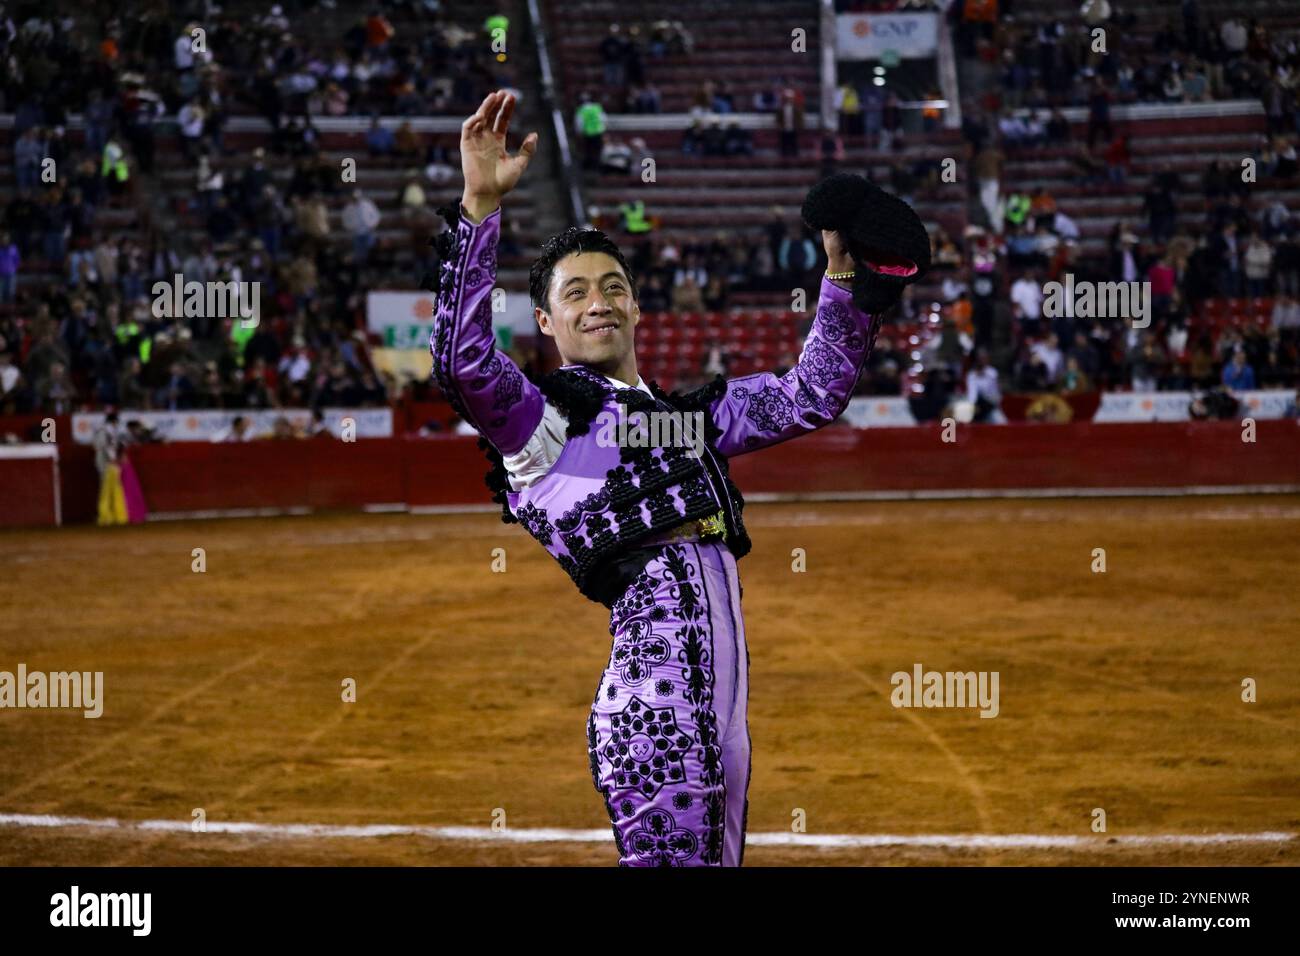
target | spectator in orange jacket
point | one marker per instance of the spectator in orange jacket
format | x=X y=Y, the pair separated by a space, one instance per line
x=378 y=30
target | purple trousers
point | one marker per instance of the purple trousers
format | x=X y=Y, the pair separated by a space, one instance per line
x=668 y=734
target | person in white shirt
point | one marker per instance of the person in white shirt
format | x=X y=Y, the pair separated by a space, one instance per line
x=1286 y=313
x=10 y=375
x=191 y=119
x=183 y=49
x=1049 y=353
x=982 y=389
x=360 y=219
x=1233 y=33
x=1027 y=292
x=1064 y=226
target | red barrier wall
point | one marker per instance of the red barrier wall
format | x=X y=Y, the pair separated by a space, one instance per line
x=449 y=470
x=78 y=480
x=1026 y=456
x=29 y=498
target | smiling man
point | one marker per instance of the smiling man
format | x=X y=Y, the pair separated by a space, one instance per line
x=651 y=531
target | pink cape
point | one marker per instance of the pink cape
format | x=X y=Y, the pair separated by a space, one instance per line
x=136 y=509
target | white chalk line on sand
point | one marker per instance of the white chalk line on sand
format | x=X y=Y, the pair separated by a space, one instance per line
x=974 y=841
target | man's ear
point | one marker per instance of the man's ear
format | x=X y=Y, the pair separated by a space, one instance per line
x=544 y=321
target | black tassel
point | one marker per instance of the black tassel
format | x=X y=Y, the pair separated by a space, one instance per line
x=578 y=397
x=498 y=480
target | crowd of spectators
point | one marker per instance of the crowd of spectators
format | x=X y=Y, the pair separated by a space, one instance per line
x=231 y=63
x=89 y=337
x=985 y=339
x=703 y=276
x=629 y=57
x=1196 y=58
x=1217 y=255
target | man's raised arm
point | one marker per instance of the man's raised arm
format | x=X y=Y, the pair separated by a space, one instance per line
x=482 y=383
x=762 y=409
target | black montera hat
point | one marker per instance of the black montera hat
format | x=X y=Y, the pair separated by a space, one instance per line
x=886 y=238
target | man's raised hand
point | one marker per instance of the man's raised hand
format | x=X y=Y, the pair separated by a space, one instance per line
x=838 y=258
x=490 y=172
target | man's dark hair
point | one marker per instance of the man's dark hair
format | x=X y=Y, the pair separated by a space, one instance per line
x=562 y=244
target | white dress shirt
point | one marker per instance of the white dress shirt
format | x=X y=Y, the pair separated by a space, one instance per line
x=983 y=382
x=542 y=450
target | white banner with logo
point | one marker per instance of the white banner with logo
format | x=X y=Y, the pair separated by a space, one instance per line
x=878 y=412
x=1173 y=406
x=1275 y=403
x=203 y=425
x=869 y=36
x=405 y=319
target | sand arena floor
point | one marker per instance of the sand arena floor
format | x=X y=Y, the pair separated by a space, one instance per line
x=1119 y=691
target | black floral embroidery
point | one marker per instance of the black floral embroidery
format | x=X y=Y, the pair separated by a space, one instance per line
x=535 y=521
x=820 y=363
x=470 y=353
x=638 y=497
x=579 y=397
x=483 y=315
x=638 y=651
x=593 y=757
x=715 y=803
x=835 y=322
x=686 y=593
x=662 y=842
x=593 y=502
x=696 y=656
x=509 y=389
x=639 y=596
x=806 y=399
x=487 y=259
x=803 y=397
x=645 y=748
x=664 y=688
x=630 y=523
x=770 y=409
x=635 y=399
x=489 y=368
x=473 y=277
x=570 y=566
x=698 y=662
x=714 y=462
x=497 y=479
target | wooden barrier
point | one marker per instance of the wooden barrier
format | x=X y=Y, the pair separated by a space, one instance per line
x=448 y=471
